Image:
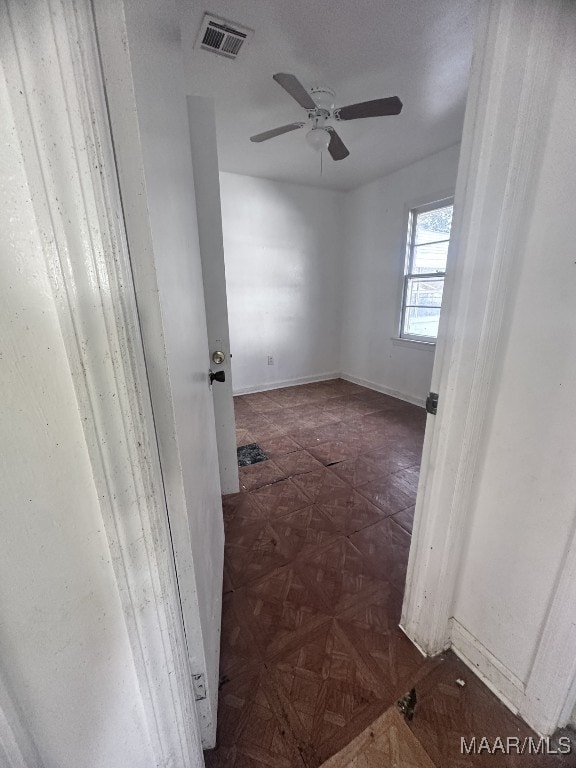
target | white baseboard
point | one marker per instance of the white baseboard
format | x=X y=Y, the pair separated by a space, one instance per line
x=287 y=383
x=501 y=681
x=384 y=390
x=326 y=377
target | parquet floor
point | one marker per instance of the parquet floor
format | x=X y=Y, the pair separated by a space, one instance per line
x=316 y=552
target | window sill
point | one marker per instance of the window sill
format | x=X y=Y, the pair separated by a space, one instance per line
x=399 y=341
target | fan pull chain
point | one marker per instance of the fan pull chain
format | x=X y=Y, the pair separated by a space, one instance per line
x=321 y=155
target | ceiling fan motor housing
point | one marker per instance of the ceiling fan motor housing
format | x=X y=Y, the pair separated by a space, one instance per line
x=325 y=101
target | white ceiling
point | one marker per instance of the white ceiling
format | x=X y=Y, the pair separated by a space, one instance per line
x=419 y=50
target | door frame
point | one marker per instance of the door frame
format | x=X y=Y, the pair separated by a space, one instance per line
x=50 y=52
x=490 y=203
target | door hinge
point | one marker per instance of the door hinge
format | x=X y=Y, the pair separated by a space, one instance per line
x=432 y=403
x=199 y=686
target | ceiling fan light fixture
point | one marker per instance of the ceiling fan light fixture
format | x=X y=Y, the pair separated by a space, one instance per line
x=318 y=139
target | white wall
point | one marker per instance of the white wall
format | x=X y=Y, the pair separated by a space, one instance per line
x=283 y=249
x=375 y=236
x=65 y=658
x=492 y=567
x=524 y=515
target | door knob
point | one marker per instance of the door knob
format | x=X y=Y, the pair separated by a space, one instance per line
x=218 y=376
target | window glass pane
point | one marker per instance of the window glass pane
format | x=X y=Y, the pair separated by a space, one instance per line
x=429 y=258
x=424 y=292
x=421 y=321
x=432 y=226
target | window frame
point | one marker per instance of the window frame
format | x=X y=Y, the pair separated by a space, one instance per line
x=408 y=262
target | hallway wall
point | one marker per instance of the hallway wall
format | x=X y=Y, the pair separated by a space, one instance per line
x=523 y=520
x=283 y=252
x=66 y=667
x=375 y=237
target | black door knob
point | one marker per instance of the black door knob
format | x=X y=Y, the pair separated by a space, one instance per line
x=218 y=376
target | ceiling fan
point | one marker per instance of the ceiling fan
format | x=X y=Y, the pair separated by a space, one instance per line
x=320 y=105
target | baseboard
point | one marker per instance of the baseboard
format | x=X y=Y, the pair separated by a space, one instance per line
x=384 y=390
x=286 y=383
x=326 y=377
x=501 y=681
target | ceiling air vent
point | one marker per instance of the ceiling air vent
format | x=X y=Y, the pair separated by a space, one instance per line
x=221 y=36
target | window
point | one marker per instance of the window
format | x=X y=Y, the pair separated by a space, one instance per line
x=426 y=252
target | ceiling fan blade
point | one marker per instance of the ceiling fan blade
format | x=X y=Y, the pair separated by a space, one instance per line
x=337 y=148
x=275 y=132
x=294 y=87
x=376 y=108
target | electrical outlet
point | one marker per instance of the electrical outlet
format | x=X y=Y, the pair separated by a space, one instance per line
x=270 y=360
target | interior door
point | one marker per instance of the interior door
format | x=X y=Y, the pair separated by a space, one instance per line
x=202 y=123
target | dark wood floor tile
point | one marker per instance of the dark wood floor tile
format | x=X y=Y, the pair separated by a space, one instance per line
x=227 y=585
x=334 y=451
x=386 y=743
x=279 y=446
x=260 y=402
x=238 y=650
x=447 y=711
x=240 y=509
x=388 y=494
x=385 y=402
x=282 y=608
x=405 y=518
x=395 y=457
x=298 y=463
x=339 y=555
x=325 y=389
x=307 y=417
x=304 y=530
x=339 y=575
x=252 y=732
x=241 y=406
x=358 y=406
x=310 y=437
x=252 y=422
x=349 y=510
x=343 y=387
x=369 y=466
x=254 y=551
x=288 y=422
x=319 y=484
x=256 y=475
x=288 y=397
x=281 y=585
x=397 y=660
x=328 y=691
x=281 y=498
x=384 y=547
x=379 y=612
x=243 y=437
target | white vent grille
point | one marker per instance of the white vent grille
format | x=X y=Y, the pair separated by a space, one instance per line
x=221 y=36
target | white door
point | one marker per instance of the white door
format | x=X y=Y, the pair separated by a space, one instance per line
x=146 y=94
x=206 y=181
